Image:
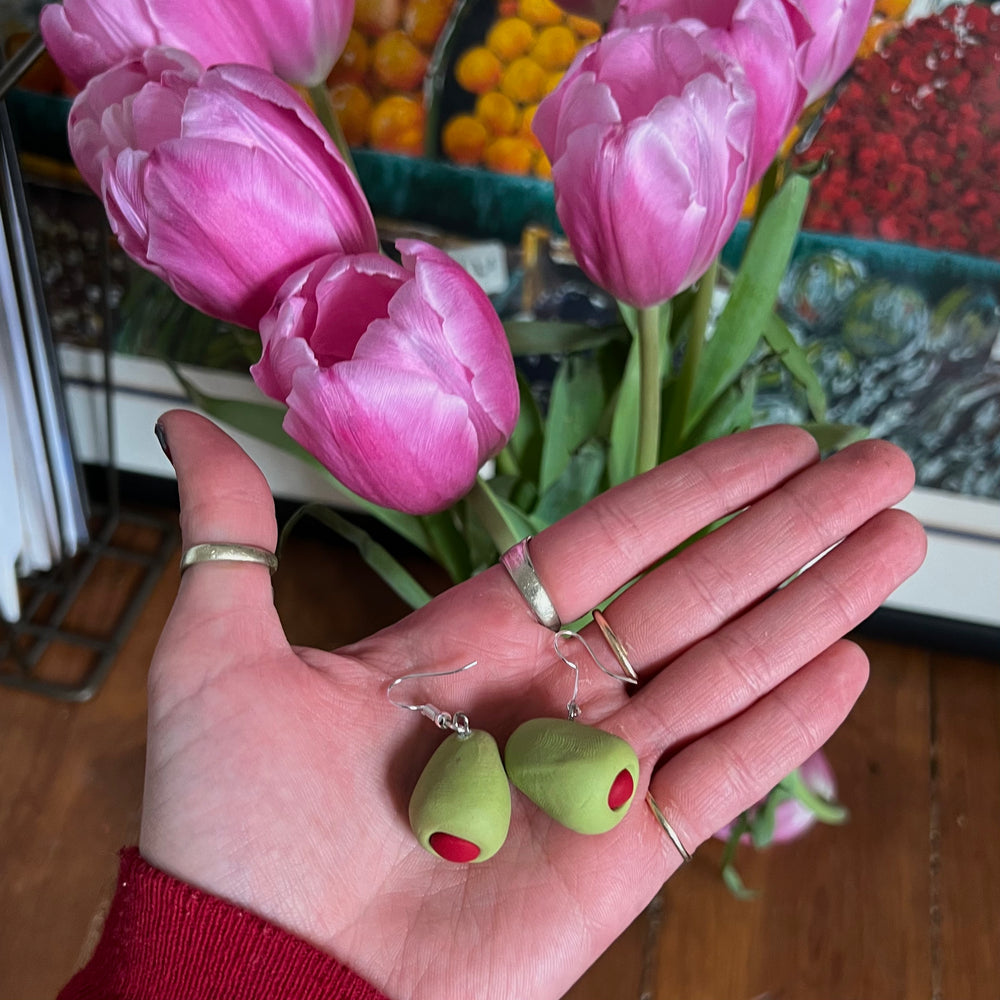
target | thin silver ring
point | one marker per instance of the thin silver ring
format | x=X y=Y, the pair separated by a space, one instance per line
x=617 y=646
x=518 y=564
x=662 y=820
x=228 y=552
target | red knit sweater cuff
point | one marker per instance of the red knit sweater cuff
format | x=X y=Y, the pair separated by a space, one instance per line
x=165 y=940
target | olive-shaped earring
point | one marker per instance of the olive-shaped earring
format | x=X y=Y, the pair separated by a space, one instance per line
x=460 y=806
x=584 y=778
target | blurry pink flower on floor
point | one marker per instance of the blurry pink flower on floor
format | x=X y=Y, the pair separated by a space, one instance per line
x=792 y=817
x=398 y=378
x=299 y=40
x=222 y=182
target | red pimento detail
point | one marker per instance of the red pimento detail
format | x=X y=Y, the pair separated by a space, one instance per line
x=453 y=848
x=621 y=791
x=913 y=141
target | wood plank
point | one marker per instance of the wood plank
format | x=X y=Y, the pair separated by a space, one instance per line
x=966 y=862
x=842 y=911
x=70 y=793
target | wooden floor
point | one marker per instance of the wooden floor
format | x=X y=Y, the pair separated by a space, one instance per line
x=901 y=904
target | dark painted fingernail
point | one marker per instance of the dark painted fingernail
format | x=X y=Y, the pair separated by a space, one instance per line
x=161 y=437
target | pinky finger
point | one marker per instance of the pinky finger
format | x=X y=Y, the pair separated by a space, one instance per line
x=710 y=782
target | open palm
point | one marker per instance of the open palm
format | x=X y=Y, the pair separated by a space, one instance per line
x=278 y=778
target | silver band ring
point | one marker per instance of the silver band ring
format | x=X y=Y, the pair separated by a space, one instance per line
x=662 y=820
x=228 y=552
x=617 y=647
x=518 y=564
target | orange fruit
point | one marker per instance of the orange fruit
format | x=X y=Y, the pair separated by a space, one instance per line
x=555 y=47
x=398 y=63
x=353 y=62
x=463 y=140
x=498 y=113
x=552 y=80
x=397 y=125
x=354 y=108
x=375 y=17
x=509 y=38
x=523 y=81
x=585 y=29
x=541 y=167
x=478 y=70
x=423 y=20
x=509 y=155
x=540 y=13
x=524 y=130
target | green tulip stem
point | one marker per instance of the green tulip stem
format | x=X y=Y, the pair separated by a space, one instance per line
x=650 y=367
x=681 y=396
x=823 y=809
x=327 y=115
x=485 y=505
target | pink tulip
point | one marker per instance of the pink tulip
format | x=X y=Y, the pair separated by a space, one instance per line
x=833 y=30
x=221 y=182
x=756 y=33
x=649 y=135
x=398 y=378
x=299 y=40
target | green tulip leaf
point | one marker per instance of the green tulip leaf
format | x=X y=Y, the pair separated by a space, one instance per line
x=463 y=793
x=733 y=411
x=395 y=575
x=751 y=300
x=527 y=337
x=522 y=455
x=576 y=406
x=579 y=482
x=834 y=437
x=791 y=354
x=622 y=451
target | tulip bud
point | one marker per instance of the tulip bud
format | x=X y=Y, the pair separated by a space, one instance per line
x=221 y=182
x=649 y=135
x=759 y=35
x=299 y=40
x=830 y=32
x=398 y=378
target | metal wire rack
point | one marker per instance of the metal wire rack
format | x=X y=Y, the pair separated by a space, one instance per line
x=54 y=650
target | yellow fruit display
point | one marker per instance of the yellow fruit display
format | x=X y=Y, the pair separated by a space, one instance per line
x=377 y=85
x=478 y=70
x=397 y=125
x=353 y=107
x=464 y=140
x=509 y=38
x=398 y=62
x=522 y=57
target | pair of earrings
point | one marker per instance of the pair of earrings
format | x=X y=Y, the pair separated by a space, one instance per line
x=584 y=778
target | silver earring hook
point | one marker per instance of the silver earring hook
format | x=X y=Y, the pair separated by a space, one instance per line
x=457 y=723
x=572 y=708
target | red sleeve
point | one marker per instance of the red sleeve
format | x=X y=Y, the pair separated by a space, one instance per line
x=165 y=940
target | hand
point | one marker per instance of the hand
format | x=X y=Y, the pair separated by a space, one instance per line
x=278 y=778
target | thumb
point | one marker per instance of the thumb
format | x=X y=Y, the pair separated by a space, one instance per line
x=224 y=497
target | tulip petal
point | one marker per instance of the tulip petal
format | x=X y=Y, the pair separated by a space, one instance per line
x=216 y=257
x=390 y=436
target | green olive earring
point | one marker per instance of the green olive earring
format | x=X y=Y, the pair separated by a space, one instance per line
x=460 y=806
x=584 y=778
